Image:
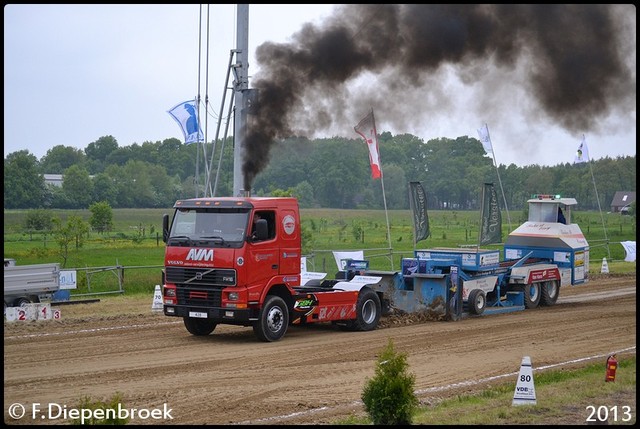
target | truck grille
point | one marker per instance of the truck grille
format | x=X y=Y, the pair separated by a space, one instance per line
x=198 y=277
x=199 y=297
x=200 y=286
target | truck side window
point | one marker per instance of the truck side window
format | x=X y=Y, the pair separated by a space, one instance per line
x=269 y=217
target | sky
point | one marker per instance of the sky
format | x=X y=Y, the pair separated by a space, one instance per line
x=75 y=73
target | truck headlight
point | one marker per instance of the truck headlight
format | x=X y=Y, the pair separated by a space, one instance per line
x=233 y=296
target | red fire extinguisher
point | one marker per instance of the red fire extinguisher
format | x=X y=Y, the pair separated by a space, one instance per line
x=612 y=365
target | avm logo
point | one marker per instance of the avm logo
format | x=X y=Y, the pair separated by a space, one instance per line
x=200 y=255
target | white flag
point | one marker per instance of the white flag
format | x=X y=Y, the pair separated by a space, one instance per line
x=629 y=250
x=582 y=154
x=186 y=115
x=367 y=129
x=483 y=132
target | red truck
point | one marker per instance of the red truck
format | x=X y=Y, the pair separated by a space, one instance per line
x=220 y=268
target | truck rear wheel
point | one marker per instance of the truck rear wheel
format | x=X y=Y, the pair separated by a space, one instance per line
x=549 y=293
x=531 y=295
x=477 y=301
x=368 y=311
x=199 y=327
x=273 y=320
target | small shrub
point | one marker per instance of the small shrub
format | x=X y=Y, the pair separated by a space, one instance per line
x=110 y=411
x=388 y=397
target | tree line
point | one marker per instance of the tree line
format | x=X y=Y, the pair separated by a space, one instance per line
x=329 y=173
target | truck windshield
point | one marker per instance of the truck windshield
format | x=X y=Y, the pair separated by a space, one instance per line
x=208 y=226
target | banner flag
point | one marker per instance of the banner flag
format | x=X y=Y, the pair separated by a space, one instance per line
x=629 y=250
x=367 y=129
x=483 y=132
x=186 y=115
x=491 y=228
x=418 y=202
x=342 y=256
x=582 y=154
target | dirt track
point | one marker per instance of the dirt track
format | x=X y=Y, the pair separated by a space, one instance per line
x=312 y=376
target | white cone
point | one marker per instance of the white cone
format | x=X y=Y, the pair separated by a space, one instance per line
x=605 y=267
x=157 y=299
x=525 y=392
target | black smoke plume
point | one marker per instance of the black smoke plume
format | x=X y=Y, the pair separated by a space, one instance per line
x=576 y=61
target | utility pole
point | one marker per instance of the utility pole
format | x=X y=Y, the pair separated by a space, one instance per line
x=241 y=84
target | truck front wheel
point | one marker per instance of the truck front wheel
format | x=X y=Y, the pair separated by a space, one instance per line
x=273 y=320
x=368 y=311
x=199 y=327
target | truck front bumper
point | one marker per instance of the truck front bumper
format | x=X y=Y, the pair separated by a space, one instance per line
x=221 y=315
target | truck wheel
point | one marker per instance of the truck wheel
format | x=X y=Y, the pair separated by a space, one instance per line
x=531 y=295
x=273 y=320
x=549 y=292
x=368 y=310
x=477 y=301
x=199 y=327
x=21 y=302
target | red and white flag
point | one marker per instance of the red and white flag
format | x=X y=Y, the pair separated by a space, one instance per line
x=367 y=129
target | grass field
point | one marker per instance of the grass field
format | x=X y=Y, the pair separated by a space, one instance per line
x=563 y=397
x=135 y=242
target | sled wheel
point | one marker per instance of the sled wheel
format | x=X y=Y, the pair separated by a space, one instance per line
x=477 y=301
x=549 y=292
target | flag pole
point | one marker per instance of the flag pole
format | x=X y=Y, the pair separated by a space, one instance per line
x=481 y=217
x=371 y=136
x=495 y=164
x=593 y=180
x=413 y=219
x=386 y=214
x=384 y=198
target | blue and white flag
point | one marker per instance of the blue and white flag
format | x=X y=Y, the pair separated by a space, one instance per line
x=483 y=133
x=186 y=115
x=582 y=154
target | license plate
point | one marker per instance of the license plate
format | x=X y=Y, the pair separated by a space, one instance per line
x=198 y=314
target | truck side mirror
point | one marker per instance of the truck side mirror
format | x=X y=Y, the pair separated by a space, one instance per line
x=165 y=227
x=261 y=231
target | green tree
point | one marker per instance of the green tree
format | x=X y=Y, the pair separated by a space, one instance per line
x=23 y=183
x=77 y=185
x=98 y=151
x=71 y=232
x=388 y=397
x=104 y=189
x=60 y=157
x=303 y=191
x=101 y=216
x=38 y=220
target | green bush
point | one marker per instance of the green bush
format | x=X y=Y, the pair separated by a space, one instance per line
x=108 y=416
x=388 y=397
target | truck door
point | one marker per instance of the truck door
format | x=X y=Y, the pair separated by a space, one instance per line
x=290 y=247
x=263 y=258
